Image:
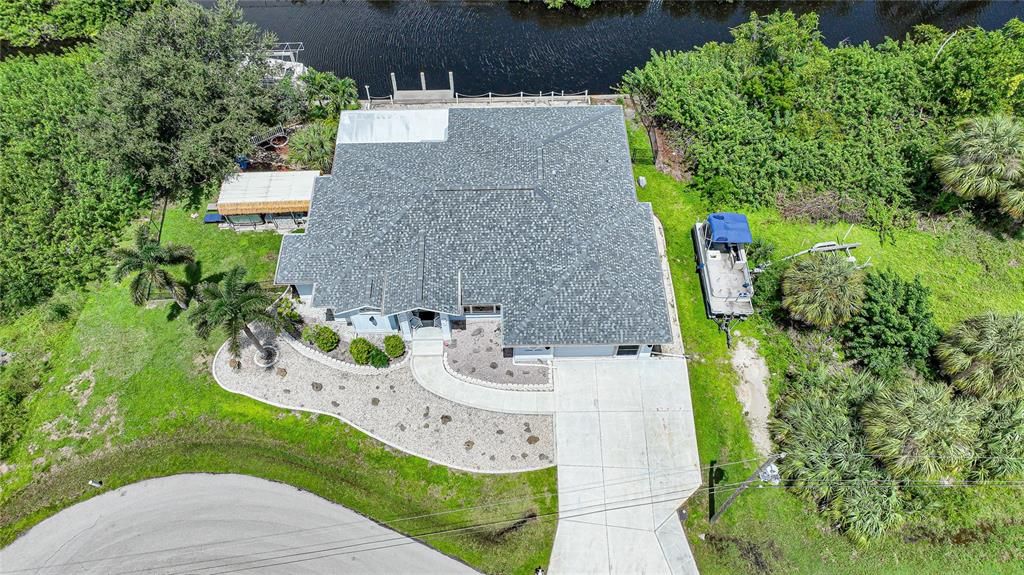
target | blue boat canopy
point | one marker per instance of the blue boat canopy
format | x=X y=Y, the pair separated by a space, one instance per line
x=729 y=228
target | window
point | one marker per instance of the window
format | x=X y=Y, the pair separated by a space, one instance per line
x=481 y=309
x=627 y=350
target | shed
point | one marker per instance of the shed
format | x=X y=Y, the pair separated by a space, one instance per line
x=255 y=198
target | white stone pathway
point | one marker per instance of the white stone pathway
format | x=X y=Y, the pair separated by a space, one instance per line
x=393 y=408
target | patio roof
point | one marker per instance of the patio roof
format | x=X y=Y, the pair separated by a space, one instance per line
x=266 y=192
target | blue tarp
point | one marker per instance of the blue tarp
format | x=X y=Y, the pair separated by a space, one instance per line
x=730 y=228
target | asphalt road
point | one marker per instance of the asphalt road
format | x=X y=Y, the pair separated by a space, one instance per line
x=213 y=524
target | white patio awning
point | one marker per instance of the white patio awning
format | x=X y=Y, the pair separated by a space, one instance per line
x=266 y=192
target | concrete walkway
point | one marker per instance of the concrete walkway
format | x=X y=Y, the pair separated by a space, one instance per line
x=204 y=524
x=393 y=408
x=627 y=460
x=428 y=367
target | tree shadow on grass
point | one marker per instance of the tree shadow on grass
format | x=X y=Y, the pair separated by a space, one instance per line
x=193 y=279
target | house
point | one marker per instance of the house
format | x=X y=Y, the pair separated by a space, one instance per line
x=273 y=200
x=436 y=217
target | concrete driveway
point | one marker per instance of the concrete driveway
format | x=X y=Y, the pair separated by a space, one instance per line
x=627 y=459
x=204 y=524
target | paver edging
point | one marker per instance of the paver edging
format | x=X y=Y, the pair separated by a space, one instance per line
x=526 y=388
x=213 y=371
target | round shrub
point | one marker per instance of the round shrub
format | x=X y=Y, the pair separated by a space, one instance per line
x=378 y=358
x=394 y=346
x=321 y=336
x=360 y=349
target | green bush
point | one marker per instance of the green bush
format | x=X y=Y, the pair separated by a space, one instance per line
x=321 y=336
x=984 y=356
x=893 y=327
x=286 y=309
x=913 y=418
x=361 y=350
x=823 y=290
x=394 y=345
x=378 y=358
x=1001 y=442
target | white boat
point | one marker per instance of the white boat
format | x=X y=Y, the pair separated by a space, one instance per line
x=719 y=244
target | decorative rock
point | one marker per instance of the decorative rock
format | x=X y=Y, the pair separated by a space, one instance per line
x=469 y=444
x=281 y=372
x=235 y=364
x=375 y=401
x=317 y=386
x=335 y=404
x=532 y=439
x=493 y=365
x=446 y=419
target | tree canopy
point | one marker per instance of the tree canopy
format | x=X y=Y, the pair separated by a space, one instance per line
x=778 y=114
x=33 y=22
x=180 y=91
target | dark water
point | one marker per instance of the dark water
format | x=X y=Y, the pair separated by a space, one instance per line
x=513 y=46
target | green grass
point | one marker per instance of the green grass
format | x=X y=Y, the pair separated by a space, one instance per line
x=126 y=394
x=771 y=530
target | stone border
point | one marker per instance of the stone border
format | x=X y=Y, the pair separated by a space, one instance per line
x=319 y=356
x=213 y=371
x=526 y=388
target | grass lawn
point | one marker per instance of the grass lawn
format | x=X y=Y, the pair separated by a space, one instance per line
x=770 y=530
x=126 y=394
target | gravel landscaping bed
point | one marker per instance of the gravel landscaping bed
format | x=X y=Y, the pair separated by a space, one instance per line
x=475 y=352
x=395 y=409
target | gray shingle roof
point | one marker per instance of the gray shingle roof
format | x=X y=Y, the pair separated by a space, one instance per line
x=530 y=208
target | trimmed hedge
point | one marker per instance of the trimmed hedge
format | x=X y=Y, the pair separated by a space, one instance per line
x=361 y=349
x=378 y=358
x=323 y=337
x=394 y=345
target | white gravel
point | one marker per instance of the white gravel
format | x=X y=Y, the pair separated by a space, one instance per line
x=395 y=409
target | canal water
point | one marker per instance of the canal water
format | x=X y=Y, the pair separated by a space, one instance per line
x=512 y=46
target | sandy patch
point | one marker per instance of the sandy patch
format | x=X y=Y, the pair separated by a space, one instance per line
x=752 y=391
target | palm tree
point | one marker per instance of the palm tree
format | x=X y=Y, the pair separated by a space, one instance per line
x=823 y=290
x=984 y=356
x=984 y=158
x=147 y=259
x=233 y=303
x=918 y=430
x=312 y=147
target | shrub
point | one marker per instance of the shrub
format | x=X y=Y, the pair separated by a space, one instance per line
x=760 y=251
x=893 y=327
x=983 y=159
x=312 y=147
x=823 y=290
x=815 y=425
x=378 y=358
x=984 y=356
x=394 y=345
x=361 y=349
x=918 y=430
x=286 y=309
x=321 y=336
x=1001 y=442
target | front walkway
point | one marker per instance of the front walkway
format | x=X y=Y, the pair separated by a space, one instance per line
x=393 y=408
x=427 y=364
x=627 y=460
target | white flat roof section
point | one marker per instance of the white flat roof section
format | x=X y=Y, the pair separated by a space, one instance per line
x=265 y=192
x=393 y=126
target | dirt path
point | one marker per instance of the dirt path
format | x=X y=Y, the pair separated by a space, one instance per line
x=752 y=391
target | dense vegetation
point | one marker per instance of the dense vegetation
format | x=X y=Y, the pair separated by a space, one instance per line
x=33 y=22
x=63 y=207
x=886 y=422
x=158 y=108
x=776 y=117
